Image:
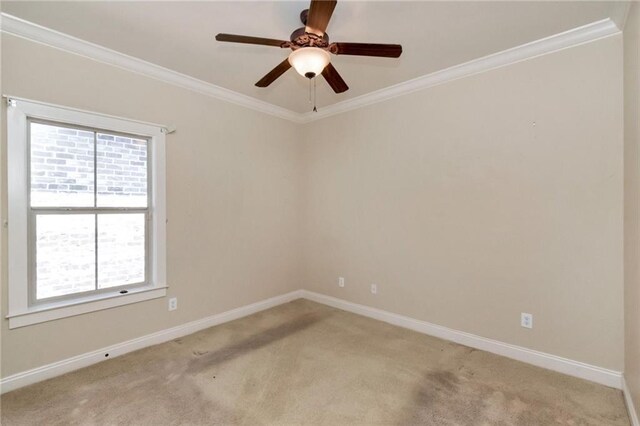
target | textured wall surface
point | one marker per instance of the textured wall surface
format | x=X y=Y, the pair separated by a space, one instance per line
x=466 y=203
x=233 y=183
x=473 y=201
x=632 y=201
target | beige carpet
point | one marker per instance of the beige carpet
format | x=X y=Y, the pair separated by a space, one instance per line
x=304 y=363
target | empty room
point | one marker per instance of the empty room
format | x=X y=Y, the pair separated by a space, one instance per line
x=320 y=212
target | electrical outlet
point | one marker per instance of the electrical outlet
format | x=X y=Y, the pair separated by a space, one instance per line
x=340 y=281
x=173 y=303
x=374 y=289
x=526 y=320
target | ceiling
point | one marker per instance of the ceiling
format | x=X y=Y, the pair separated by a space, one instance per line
x=179 y=35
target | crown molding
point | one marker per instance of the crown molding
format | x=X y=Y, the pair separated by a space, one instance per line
x=554 y=43
x=620 y=13
x=28 y=30
x=18 y=27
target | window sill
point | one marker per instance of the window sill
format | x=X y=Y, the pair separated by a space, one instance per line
x=50 y=312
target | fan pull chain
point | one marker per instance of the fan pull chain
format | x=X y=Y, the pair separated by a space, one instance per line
x=315 y=109
x=310 y=99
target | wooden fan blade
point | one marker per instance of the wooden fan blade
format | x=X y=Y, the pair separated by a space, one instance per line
x=319 y=15
x=367 y=49
x=333 y=78
x=234 y=38
x=274 y=74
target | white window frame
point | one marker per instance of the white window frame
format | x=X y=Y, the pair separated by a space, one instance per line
x=21 y=312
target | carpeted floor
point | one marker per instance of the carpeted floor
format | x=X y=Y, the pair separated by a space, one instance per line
x=305 y=363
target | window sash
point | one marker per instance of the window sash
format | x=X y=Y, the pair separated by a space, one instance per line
x=34 y=212
x=95 y=131
x=33 y=278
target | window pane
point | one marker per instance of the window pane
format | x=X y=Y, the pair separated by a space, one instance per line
x=65 y=254
x=61 y=166
x=121 y=249
x=122 y=171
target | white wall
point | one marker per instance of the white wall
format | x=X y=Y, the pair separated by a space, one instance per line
x=471 y=202
x=232 y=191
x=632 y=201
x=462 y=210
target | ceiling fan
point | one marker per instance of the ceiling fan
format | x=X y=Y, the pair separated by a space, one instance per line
x=310 y=48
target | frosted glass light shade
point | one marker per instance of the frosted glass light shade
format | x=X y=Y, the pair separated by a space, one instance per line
x=309 y=61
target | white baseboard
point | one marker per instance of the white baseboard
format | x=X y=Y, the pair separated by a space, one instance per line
x=633 y=415
x=45 y=372
x=540 y=359
x=551 y=362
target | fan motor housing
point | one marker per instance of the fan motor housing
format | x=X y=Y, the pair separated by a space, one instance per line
x=301 y=38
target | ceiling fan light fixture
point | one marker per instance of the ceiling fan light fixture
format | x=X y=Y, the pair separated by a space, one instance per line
x=309 y=61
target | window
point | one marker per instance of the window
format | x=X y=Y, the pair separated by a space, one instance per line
x=86 y=212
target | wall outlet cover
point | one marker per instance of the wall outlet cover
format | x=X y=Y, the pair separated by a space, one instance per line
x=173 y=303
x=526 y=320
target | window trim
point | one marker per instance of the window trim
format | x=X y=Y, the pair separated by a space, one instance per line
x=20 y=312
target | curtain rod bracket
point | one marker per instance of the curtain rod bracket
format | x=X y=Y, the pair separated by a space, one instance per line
x=168 y=130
